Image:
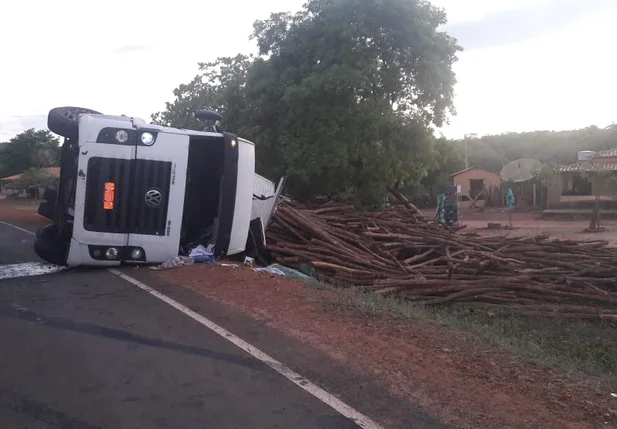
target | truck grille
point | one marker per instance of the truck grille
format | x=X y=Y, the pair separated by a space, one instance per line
x=154 y=177
x=133 y=179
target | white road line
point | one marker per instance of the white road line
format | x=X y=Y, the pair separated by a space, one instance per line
x=18 y=228
x=325 y=397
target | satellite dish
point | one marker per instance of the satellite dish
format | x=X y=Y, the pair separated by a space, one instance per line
x=521 y=170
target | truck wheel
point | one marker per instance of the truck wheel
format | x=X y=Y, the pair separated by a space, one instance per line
x=50 y=195
x=64 y=120
x=46 y=209
x=50 y=246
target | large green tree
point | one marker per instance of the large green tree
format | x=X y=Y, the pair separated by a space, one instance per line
x=30 y=149
x=341 y=96
x=446 y=160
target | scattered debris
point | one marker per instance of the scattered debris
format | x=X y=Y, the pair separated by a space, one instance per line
x=229 y=265
x=271 y=270
x=396 y=251
x=283 y=271
x=174 y=262
x=27 y=269
x=203 y=254
x=198 y=254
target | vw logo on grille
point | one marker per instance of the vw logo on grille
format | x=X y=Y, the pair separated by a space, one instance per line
x=153 y=198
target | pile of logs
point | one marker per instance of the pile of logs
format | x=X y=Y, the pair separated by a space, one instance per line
x=398 y=251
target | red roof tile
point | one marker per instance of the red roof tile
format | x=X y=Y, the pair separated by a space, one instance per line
x=52 y=171
x=462 y=171
x=588 y=166
x=611 y=153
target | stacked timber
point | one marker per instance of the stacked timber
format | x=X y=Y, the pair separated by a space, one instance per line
x=398 y=251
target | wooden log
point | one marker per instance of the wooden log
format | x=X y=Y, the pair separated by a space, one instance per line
x=440 y=266
x=404 y=200
x=419 y=258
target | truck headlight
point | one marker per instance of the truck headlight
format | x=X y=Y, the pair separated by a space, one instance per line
x=122 y=136
x=111 y=253
x=147 y=139
x=136 y=254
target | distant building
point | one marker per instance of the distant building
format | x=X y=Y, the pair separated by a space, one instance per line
x=595 y=175
x=474 y=180
x=51 y=171
x=12 y=182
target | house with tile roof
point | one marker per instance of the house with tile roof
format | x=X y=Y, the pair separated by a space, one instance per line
x=591 y=177
x=51 y=171
x=475 y=183
x=13 y=183
x=471 y=181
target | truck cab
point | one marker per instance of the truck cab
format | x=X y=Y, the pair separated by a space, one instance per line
x=135 y=192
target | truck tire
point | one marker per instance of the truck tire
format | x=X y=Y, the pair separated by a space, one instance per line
x=50 y=246
x=64 y=120
x=50 y=195
x=46 y=209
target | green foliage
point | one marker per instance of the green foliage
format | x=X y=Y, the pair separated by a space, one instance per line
x=30 y=149
x=340 y=97
x=34 y=176
x=550 y=147
x=220 y=86
x=446 y=160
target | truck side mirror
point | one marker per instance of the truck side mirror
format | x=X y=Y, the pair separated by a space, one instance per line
x=208 y=115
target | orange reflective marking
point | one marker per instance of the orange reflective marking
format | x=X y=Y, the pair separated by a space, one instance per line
x=109 y=196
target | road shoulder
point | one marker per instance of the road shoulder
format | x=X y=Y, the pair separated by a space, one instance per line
x=448 y=373
x=358 y=389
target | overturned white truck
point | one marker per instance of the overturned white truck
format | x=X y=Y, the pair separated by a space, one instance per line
x=133 y=192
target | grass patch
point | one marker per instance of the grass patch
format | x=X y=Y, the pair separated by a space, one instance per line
x=587 y=347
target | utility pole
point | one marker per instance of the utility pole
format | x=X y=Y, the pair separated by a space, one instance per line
x=467 y=137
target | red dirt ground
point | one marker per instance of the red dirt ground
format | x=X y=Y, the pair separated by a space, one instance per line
x=21 y=212
x=526 y=224
x=458 y=379
x=463 y=382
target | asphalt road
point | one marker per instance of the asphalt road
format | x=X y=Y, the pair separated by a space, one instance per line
x=84 y=349
x=15 y=246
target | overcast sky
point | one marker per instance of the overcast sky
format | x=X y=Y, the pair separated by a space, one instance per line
x=527 y=64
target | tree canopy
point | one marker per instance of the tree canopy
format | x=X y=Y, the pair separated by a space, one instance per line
x=30 y=149
x=340 y=97
x=550 y=147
